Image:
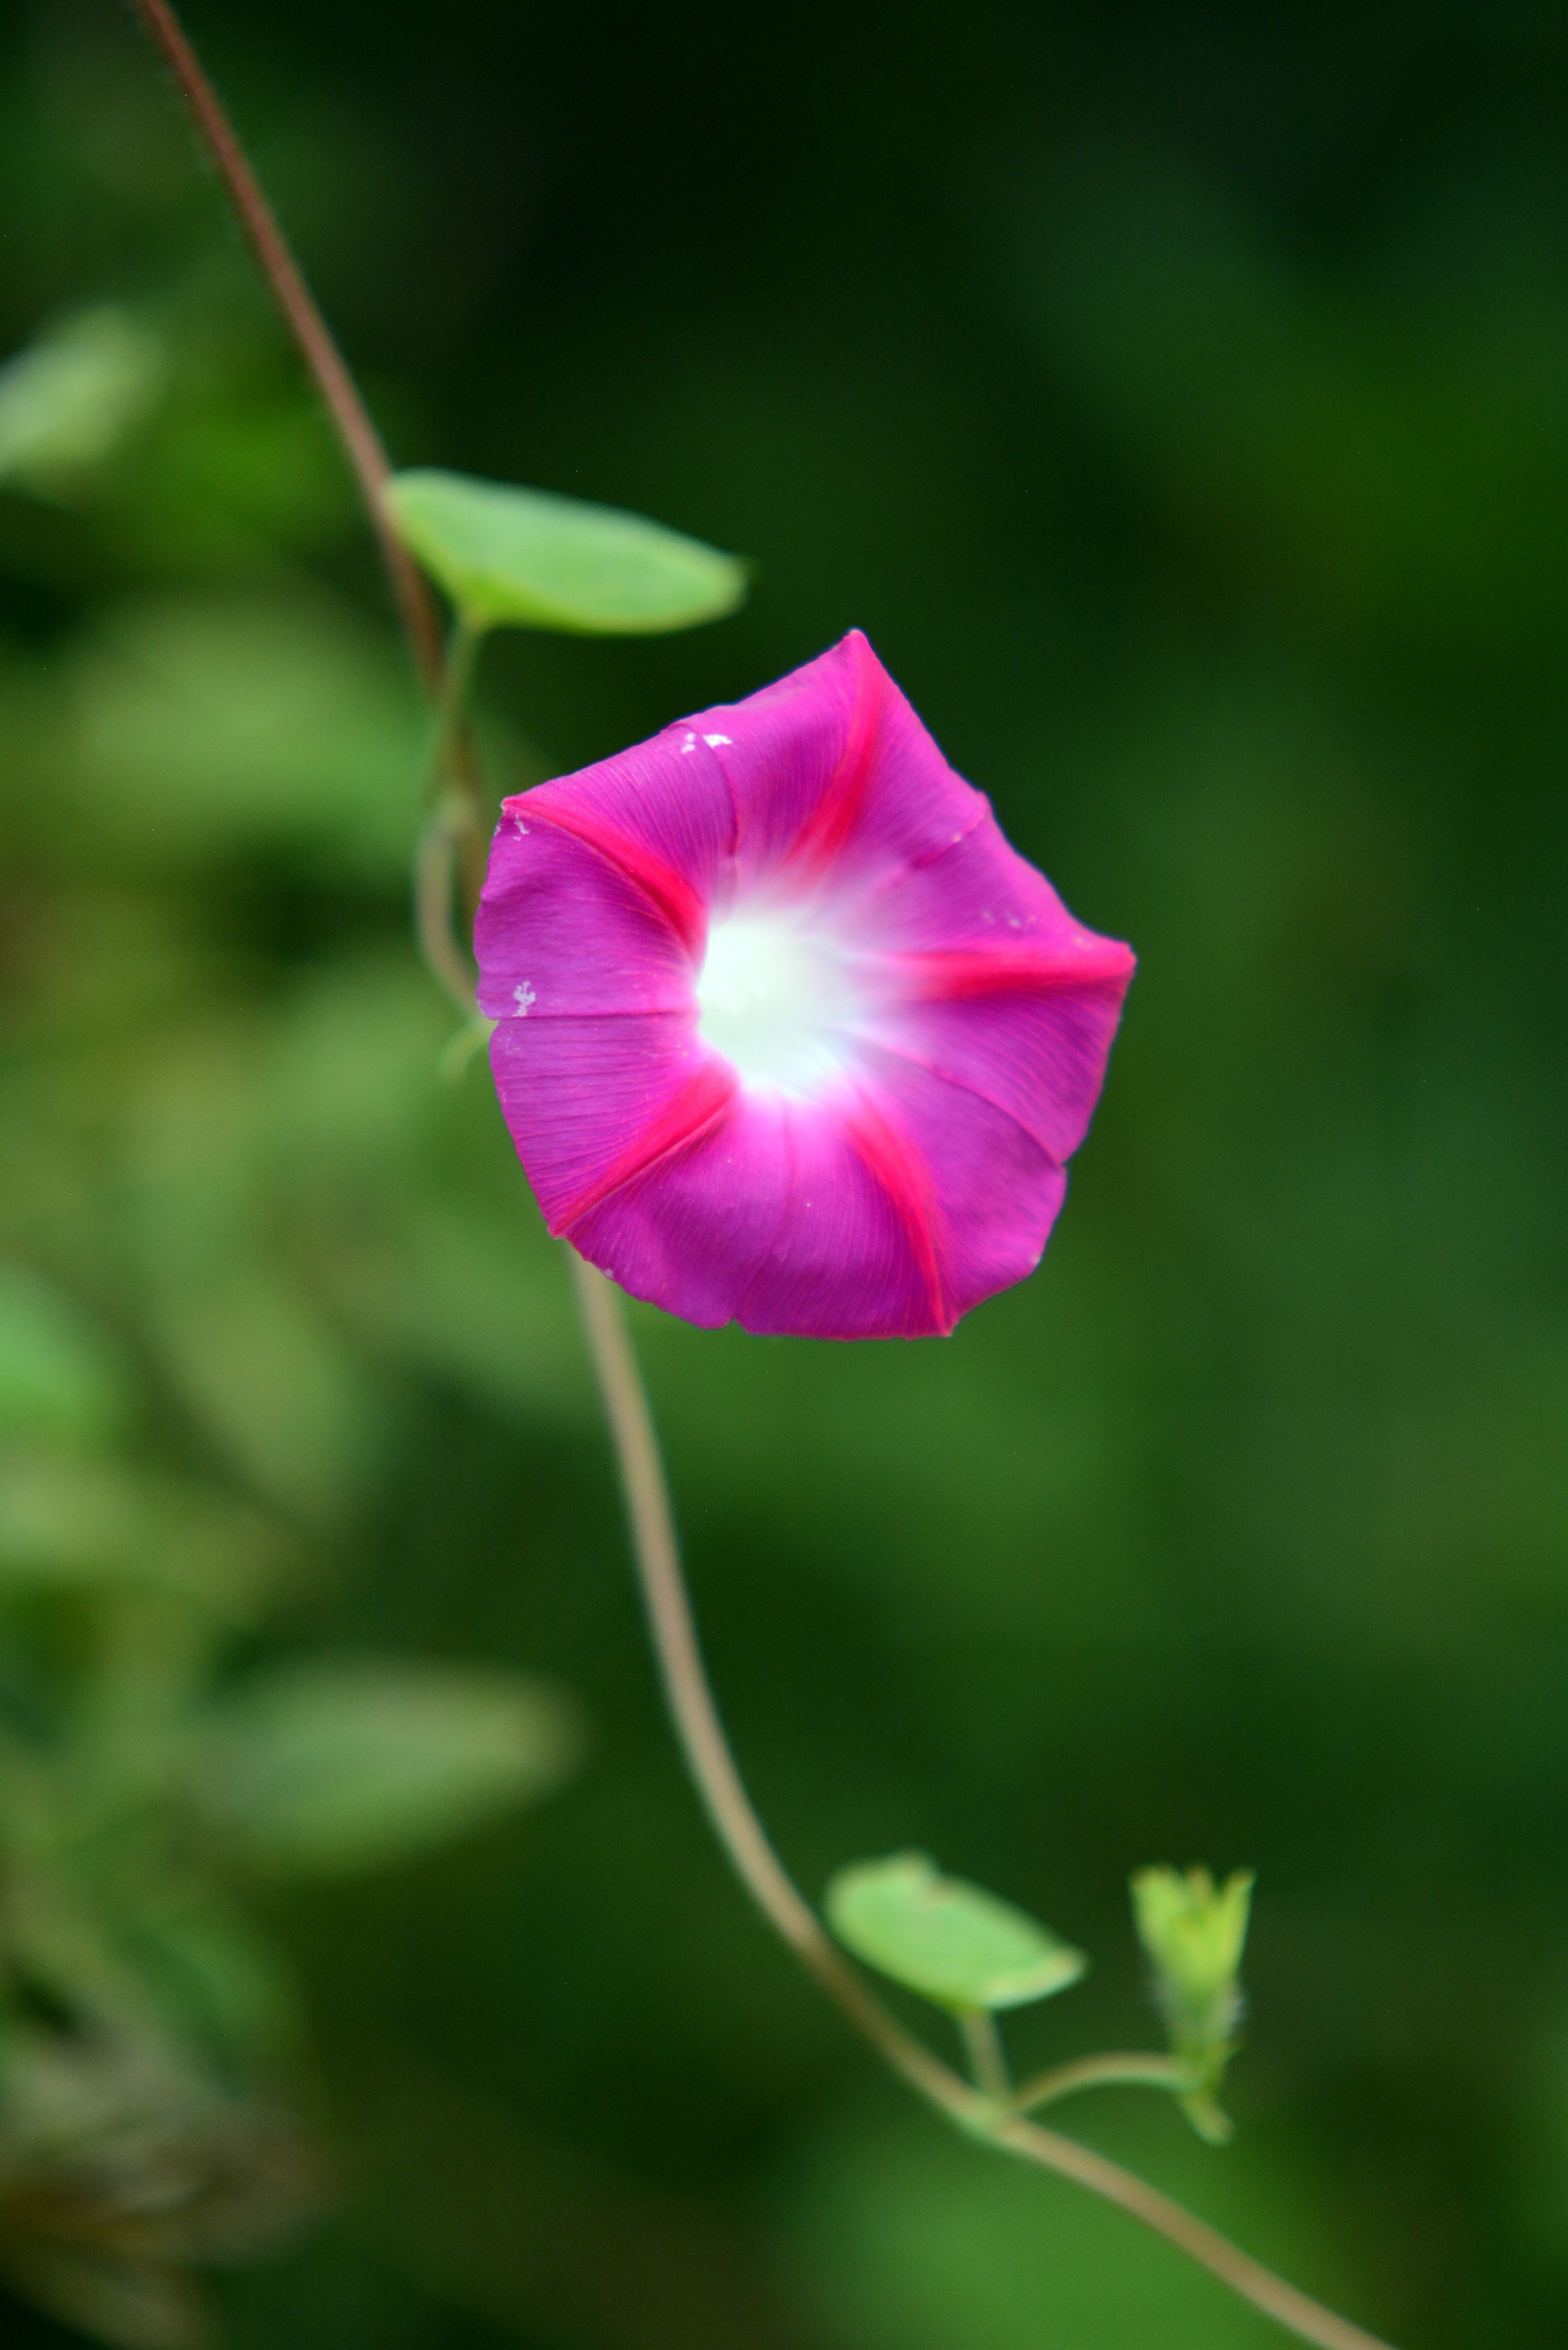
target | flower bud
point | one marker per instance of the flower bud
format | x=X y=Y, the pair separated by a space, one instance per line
x=1195 y=1931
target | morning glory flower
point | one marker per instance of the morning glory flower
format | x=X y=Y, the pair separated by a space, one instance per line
x=786 y=1034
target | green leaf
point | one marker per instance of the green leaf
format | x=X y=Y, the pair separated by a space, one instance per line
x=527 y=560
x=961 y=1945
x=59 y=1377
x=318 y=1769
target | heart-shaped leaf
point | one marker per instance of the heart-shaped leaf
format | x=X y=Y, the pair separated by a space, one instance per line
x=519 y=558
x=956 y=1943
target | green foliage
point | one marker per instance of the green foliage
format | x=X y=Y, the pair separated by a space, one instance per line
x=319 y=1767
x=951 y=1940
x=1194 y=1933
x=149 y=2027
x=527 y=560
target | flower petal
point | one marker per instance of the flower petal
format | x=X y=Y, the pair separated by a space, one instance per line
x=1036 y=1051
x=690 y=1233
x=844 y=1262
x=592 y=1104
x=973 y=889
x=561 y=931
x=660 y=811
x=780 y=1218
x=993 y=1190
x=833 y=778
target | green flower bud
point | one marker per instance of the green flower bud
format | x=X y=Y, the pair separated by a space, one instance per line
x=1195 y=1932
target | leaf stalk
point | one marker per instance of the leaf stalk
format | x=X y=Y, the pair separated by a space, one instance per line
x=988 y=2061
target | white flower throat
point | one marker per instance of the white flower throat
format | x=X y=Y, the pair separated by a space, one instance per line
x=773 y=997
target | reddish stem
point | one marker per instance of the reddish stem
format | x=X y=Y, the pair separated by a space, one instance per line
x=361 y=442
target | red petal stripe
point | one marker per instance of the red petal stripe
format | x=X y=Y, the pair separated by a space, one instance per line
x=949 y=973
x=900 y=1173
x=668 y=891
x=832 y=821
x=697 y=1108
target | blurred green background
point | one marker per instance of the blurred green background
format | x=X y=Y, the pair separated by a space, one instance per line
x=1179 y=396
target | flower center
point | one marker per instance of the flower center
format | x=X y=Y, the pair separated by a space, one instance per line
x=772 y=997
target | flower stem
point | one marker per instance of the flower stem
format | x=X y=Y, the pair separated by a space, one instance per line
x=452 y=851
x=435 y=883
x=360 y=441
x=648 y=1514
x=695 y=1714
x=1295 y=2311
x=692 y=1703
x=450 y=710
x=452 y=830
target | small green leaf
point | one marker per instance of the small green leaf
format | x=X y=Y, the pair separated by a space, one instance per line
x=318 y=1769
x=961 y=1945
x=521 y=558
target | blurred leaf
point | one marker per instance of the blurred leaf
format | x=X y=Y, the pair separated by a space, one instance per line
x=116 y=2299
x=458 y=1298
x=196 y=729
x=67 y=1523
x=347 y=1072
x=958 y=1944
x=528 y=559
x=218 y=1980
x=217 y=1149
x=58 y=1375
x=120 y=2166
x=320 y=1768
x=71 y=397
x=273 y=1382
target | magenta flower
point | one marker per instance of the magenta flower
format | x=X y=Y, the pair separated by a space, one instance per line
x=787 y=1034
